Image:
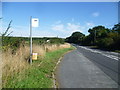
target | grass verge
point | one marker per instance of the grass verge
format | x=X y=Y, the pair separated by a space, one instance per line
x=39 y=74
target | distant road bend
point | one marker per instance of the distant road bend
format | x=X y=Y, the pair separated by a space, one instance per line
x=88 y=68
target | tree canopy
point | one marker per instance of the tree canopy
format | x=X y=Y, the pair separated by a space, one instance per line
x=76 y=37
x=98 y=36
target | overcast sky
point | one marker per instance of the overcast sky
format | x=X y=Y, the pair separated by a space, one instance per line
x=58 y=19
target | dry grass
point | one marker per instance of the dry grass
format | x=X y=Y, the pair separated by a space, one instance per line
x=54 y=47
x=16 y=63
x=66 y=45
x=39 y=49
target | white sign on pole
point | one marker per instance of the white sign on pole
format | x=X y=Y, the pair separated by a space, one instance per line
x=35 y=22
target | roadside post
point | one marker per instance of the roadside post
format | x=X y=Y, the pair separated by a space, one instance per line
x=33 y=23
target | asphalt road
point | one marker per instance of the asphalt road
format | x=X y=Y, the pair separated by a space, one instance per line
x=88 y=68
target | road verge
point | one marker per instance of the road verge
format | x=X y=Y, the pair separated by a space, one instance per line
x=39 y=74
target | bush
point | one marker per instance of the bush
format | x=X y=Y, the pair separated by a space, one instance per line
x=57 y=41
x=11 y=42
x=88 y=40
x=105 y=43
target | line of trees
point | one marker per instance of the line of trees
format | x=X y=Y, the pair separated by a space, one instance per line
x=98 y=36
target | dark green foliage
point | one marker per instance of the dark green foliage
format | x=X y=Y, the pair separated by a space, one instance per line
x=88 y=40
x=99 y=36
x=104 y=37
x=116 y=28
x=97 y=33
x=57 y=40
x=46 y=40
x=116 y=38
x=105 y=43
x=12 y=42
x=15 y=42
x=76 y=37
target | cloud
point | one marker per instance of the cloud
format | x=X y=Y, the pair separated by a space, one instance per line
x=58 y=27
x=95 y=14
x=90 y=24
x=36 y=32
x=16 y=30
x=73 y=27
x=66 y=29
x=69 y=28
x=20 y=31
x=87 y=26
x=43 y=33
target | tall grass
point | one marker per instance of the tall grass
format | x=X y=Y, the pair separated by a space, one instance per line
x=39 y=49
x=13 y=63
x=16 y=63
x=54 y=47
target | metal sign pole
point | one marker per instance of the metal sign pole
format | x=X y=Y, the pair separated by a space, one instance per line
x=31 y=40
x=33 y=23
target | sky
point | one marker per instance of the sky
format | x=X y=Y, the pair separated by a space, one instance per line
x=58 y=19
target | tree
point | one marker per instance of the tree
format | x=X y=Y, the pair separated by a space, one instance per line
x=105 y=43
x=116 y=28
x=99 y=36
x=97 y=33
x=115 y=35
x=76 y=37
x=87 y=40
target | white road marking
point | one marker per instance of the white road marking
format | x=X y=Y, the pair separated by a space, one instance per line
x=107 y=55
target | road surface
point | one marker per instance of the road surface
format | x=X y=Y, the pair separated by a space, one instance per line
x=88 y=68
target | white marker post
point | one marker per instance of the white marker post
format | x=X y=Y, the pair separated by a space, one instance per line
x=33 y=23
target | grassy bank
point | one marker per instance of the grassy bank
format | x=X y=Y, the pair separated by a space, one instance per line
x=39 y=74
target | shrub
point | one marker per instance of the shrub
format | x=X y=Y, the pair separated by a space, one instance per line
x=105 y=43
